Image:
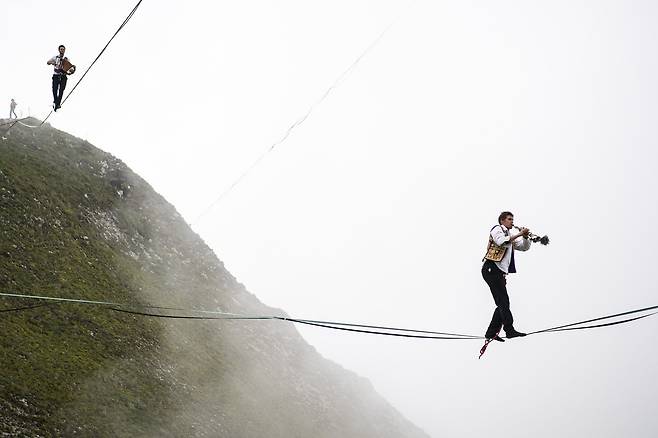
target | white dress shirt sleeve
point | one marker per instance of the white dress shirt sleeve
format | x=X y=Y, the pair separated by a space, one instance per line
x=498 y=236
x=522 y=244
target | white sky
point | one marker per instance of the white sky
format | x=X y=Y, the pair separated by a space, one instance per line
x=377 y=208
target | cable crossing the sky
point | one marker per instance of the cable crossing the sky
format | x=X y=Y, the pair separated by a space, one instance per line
x=299 y=121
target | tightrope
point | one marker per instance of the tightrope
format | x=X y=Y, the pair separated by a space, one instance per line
x=204 y=314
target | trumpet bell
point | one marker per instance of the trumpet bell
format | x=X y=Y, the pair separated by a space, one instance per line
x=543 y=240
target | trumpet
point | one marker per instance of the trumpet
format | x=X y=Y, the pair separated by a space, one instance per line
x=535 y=238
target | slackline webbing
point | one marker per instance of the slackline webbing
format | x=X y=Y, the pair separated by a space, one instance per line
x=159 y=315
x=217 y=315
x=12 y=122
x=566 y=326
x=18 y=309
x=351 y=327
x=579 y=325
x=125 y=21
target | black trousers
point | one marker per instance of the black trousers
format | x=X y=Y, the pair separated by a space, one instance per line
x=59 y=84
x=502 y=316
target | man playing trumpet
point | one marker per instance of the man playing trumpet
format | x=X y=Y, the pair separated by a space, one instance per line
x=498 y=262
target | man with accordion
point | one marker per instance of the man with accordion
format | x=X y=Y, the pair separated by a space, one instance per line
x=63 y=67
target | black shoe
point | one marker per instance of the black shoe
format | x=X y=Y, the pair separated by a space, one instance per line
x=498 y=338
x=57 y=107
x=514 y=334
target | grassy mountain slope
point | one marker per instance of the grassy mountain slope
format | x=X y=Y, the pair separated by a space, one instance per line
x=76 y=222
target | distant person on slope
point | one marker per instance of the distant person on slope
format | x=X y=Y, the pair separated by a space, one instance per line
x=498 y=262
x=63 y=67
x=12 y=109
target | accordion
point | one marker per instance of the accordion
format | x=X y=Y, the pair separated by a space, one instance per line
x=68 y=68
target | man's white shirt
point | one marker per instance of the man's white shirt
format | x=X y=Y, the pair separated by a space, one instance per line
x=57 y=63
x=500 y=239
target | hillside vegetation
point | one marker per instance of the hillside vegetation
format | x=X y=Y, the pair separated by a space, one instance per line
x=76 y=222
